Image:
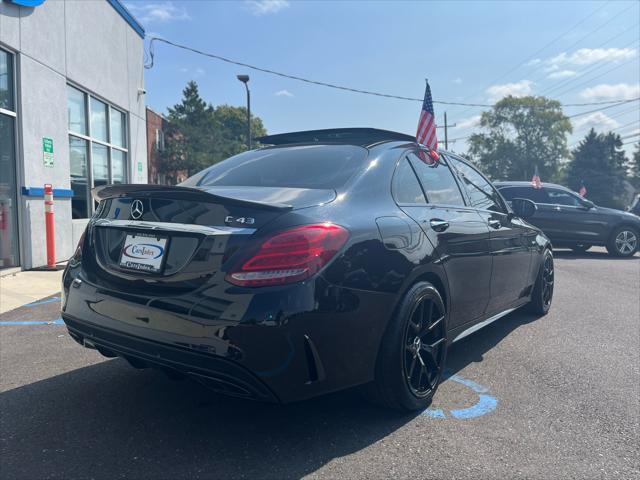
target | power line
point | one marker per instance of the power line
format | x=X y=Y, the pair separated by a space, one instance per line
x=330 y=85
x=625 y=125
x=630 y=136
x=533 y=55
x=546 y=73
x=592 y=69
x=589 y=80
x=604 y=108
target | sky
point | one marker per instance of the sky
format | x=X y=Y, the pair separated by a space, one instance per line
x=471 y=52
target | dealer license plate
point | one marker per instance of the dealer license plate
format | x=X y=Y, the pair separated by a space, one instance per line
x=143 y=253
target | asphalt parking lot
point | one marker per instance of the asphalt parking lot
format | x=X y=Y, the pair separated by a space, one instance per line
x=554 y=397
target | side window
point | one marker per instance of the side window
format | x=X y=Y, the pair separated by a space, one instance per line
x=560 y=197
x=481 y=192
x=405 y=187
x=438 y=182
x=536 y=195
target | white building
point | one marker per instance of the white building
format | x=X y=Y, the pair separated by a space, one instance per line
x=72 y=114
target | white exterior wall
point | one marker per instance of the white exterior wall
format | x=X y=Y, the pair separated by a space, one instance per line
x=90 y=45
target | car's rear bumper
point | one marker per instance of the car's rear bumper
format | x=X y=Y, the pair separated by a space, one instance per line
x=277 y=344
x=216 y=372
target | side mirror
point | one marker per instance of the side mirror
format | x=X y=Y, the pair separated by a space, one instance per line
x=588 y=204
x=523 y=207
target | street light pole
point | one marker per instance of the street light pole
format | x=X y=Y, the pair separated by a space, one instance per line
x=245 y=79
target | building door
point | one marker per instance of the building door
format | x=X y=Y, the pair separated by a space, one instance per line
x=9 y=244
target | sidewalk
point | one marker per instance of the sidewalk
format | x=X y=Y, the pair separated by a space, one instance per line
x=19 y=288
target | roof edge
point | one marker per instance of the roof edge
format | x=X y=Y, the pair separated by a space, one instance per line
x=128 y=17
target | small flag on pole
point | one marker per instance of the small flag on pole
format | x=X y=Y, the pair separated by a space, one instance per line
x=426 y=134
x=583 y=190
x=535 y=180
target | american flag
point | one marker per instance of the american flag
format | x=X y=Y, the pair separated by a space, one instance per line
x=535 y=180
x=583 y=190
x=426 y=134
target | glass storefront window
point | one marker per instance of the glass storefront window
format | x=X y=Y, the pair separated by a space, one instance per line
x=9 y=243
x=76 y=111
x=79 y=157
x=118 y=161
x=118 y=136
x=100 y=161
x=97 y=148
x=98 y=120
x=6 y=80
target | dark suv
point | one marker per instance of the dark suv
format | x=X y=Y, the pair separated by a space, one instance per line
x=635 y=206
x=575 y=222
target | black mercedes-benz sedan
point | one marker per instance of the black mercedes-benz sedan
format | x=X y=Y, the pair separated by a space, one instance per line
x=329 y=259
x=571 y=221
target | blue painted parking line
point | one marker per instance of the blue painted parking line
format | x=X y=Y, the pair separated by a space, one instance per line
x=42 y=302
x=486 y=402
x=33 y=322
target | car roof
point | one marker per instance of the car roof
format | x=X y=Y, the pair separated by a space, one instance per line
x=526 y=184
x=364 y=137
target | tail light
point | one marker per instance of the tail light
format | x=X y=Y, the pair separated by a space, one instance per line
x=291 y=255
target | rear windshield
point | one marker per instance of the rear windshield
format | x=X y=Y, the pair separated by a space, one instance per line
x=311 y=166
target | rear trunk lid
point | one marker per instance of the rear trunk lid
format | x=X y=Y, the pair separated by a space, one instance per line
x=157 y=238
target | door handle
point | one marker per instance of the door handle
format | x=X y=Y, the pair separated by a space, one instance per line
x=557 y=208
x=495 y=224
x=438 y=225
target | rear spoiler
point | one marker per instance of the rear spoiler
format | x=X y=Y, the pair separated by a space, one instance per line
x=181 y=193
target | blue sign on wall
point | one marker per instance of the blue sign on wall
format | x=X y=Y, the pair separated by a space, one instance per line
x=28 y=3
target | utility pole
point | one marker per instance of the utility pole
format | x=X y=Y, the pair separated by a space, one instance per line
x=446 y=132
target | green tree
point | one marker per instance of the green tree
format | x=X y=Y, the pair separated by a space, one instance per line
x=634 y=168
x=599 y=162
x=200 y=134
x=521 y=133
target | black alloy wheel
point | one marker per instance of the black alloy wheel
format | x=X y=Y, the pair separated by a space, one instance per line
x=547 y=281
x=425 y=344
x=412 y=356
x=542 y=295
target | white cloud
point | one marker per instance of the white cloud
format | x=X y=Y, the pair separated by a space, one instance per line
x=469 y=122
x=158 y=12
x=264 y=7
x=457 y=80
x=196 y=72
x=517 y=89
x=533 y=62
x=611 y=92
x=562 y=74
x=587 y=56
x=283 y=93
x=597 y=120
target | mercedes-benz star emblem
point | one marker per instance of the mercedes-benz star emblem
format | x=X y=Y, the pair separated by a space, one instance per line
x=137 y=209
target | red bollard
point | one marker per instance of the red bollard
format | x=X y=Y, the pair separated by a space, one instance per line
x=50 y=226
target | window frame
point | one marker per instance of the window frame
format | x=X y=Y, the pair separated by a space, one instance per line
x=456 y=180
x=18 y=172
x=514 y=187
x=404 y=159
x=110 y=146
x=568 y=192
x=505 y=206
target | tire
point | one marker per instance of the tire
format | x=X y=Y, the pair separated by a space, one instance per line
x=542 y=295
x=580 y=248
x=623 y=242
x=421 y=315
